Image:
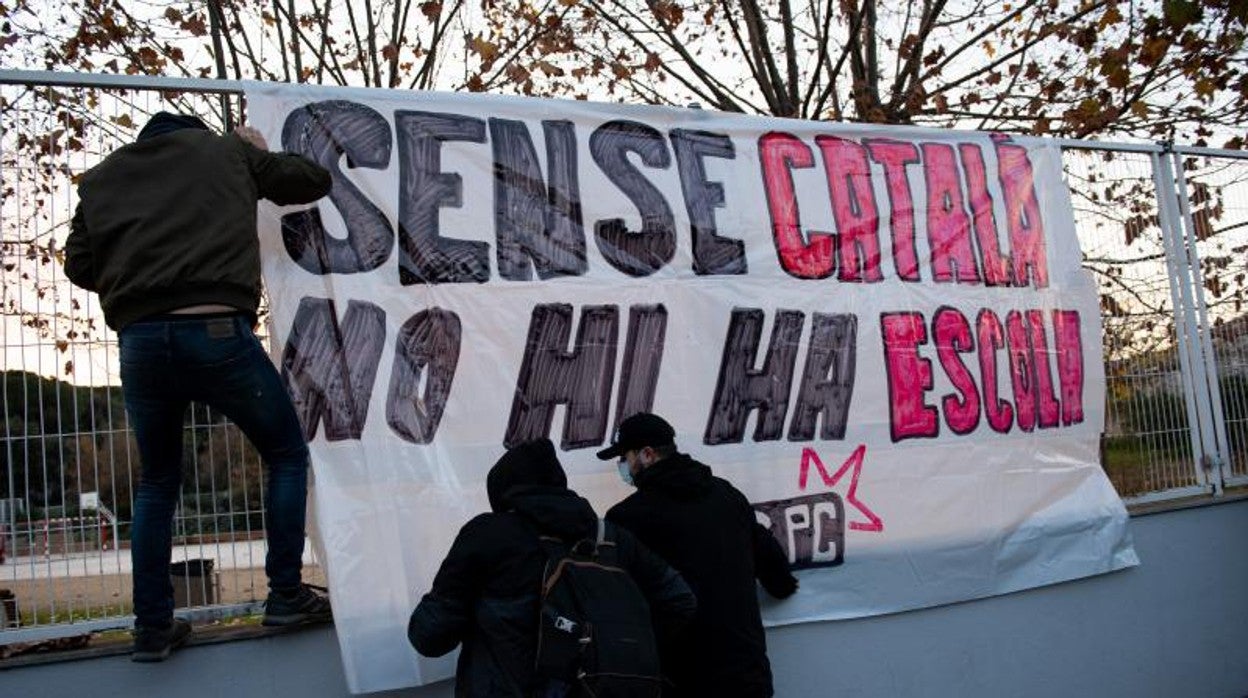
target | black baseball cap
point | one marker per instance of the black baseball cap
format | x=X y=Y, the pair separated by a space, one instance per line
x=638 y=431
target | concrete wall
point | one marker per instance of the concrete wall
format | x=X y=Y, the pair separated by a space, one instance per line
x=1175 y=626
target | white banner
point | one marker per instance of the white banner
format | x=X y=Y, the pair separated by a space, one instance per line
x=881 y=335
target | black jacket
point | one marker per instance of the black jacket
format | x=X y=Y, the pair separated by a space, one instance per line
x=485 y=595
x=170 y=221
x=706 y=529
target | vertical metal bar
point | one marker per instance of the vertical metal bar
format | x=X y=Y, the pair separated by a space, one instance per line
x=10 y=505
x=1180 y=293
x=1220 y=456
x=93 y=424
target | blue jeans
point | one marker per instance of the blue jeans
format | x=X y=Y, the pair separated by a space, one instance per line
x=166 y=363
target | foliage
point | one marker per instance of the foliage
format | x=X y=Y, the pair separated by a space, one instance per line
x=1234 y=391
x=1172 y=69
x=1094 y=67
x=1116 y=201
x=59 y=440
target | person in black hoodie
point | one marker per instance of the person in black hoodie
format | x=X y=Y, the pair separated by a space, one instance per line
x=706 y=529
x=485 y=596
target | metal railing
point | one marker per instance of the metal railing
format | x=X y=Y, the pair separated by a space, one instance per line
x=69 y=458
x=1164 y=231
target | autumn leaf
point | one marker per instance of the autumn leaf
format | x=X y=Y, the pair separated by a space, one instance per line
x=487 y=50
x=1200 y=193
x=668 y=12
x=1205 y=88
x=1135 y=226
x=195 y=25
x=549 y=69
x=1111 y=17
x=1116 y=75
x=907 y=46
x=1180 y=13
x=517 y=73
x=149 y=58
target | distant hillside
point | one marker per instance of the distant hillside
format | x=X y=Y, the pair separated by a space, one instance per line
x=61 y=439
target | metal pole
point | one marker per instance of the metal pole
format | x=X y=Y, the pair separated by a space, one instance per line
x=1163 y=180
x=125 y=82
x=1220 y=456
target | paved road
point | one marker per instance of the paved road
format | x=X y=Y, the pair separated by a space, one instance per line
x=226 y=556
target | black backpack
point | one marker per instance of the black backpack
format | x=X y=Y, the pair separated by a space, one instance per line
x=594 y=635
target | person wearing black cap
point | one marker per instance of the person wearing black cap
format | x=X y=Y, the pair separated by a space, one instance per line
x=705 y=528
x=165 y=233
x=485 y=594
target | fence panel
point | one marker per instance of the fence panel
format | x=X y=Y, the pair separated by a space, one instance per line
x=69 y=459
x=1147 y=446
x=1216 y=188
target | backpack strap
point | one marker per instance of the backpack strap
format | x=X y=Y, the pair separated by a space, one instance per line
x=556 y=547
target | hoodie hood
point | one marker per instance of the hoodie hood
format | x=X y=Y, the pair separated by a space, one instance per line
x=555 y=511
x=677 y=476
x=529 y=481
x=165 y=122
x=532 y=463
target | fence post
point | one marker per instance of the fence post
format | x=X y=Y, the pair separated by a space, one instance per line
x=1190 y=358
x=1220 y=458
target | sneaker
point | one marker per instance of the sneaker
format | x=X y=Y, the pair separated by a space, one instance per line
x=155 y=644
x=305 y=603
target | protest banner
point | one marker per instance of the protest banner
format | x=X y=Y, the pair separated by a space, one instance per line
x=882 y=335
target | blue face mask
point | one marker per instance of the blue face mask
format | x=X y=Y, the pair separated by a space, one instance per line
x=625 y=474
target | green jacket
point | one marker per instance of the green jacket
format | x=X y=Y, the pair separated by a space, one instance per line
x=170 y=221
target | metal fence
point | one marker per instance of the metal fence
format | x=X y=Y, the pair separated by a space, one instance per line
x=1164 y=231
x=69 y=459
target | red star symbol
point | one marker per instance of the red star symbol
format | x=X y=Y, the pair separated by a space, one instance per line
x=873 y=523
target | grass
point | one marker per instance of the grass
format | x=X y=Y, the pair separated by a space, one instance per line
x=45 y=616
x=1136 y=465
